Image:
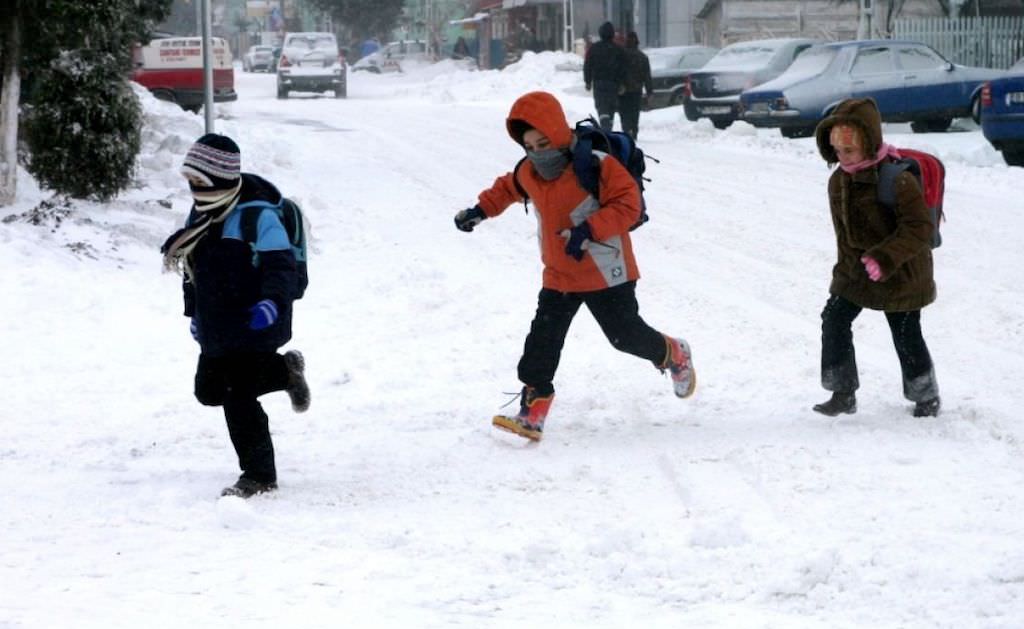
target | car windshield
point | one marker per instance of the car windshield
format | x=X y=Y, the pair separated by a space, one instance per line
x=751 y=55
x=664 y=59
x=811 y=62
x=311 y=43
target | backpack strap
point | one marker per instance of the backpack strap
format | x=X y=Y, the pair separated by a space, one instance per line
x=888 y=171
x=250 y=219
x=519 y=187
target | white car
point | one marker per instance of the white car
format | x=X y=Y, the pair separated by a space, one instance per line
x=392 y=57
x=311 y=62
x=258 y=58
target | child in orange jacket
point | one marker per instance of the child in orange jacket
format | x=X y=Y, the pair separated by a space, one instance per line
x=587 y=256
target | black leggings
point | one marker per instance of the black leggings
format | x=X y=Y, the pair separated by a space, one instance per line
x=839 y=360
x=615 y=310
x=235 y=381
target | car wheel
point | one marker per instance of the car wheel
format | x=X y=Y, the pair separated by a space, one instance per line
x=721 y=123
x=976 y=109
x=166 y=95
x=936 y=125
x=796 y=132
x=676 y=98
x=690 y=112
x=1013 y=157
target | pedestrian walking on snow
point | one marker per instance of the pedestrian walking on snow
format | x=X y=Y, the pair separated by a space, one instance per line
x=238 y=296
x=636 y=81
x=604 y=68
x=587 y=256
x=884 y=260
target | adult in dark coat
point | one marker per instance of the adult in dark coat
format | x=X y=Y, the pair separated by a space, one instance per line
x=603 y=72
x=635 y=81
x=884 y=259
x=238 y=295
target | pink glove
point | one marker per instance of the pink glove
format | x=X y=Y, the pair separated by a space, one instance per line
x=872 y=267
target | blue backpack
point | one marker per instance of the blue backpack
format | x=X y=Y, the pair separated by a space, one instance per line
x=294 y=223
x=591 y=137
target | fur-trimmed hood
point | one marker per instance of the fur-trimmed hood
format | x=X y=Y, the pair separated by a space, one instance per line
x=858 y=112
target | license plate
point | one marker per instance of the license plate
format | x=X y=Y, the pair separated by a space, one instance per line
x=758 y=107
x=1015 y=98
x=711 y=111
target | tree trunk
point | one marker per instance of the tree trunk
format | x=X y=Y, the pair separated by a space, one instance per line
x=9 y=96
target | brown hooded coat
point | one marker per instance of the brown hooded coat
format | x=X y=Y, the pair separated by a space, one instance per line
x=898 y=238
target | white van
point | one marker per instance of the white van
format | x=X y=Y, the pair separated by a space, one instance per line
x=172 y=69
x=311 y=62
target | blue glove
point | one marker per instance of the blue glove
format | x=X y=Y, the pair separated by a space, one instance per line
x=577 y=240
x=193 y=327
x=263 y=315
x=469 y=218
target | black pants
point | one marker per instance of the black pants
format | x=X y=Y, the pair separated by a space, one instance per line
x=629 y=112
x=839 y=361
x=606 y=101
x=615 y=310
x=235 y=381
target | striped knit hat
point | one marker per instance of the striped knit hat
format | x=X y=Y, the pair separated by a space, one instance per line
x=214 y=161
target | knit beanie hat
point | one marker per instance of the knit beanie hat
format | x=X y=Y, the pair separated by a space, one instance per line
x=214 y=161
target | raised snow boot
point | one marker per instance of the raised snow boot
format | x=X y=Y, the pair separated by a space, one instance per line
x=247 y=488
x=839 y=403
x=298 y=390
x=679 y=363
x=927 y=408
x=529 y=423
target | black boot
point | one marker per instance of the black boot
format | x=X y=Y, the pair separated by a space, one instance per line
x=927 y=408
x=298 y=390
x=247 y=488
x=838 y=403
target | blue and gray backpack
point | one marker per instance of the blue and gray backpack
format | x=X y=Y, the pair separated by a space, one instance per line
x=294 y=224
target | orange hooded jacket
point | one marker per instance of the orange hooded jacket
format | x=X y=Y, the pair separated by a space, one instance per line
x=561 y=204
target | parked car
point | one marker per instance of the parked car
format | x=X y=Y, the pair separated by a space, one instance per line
x=909 y=81
x=258 y=57
x=172 y=69
x=393 y=56
x=311 y=62
x=670 y=68
x=1002 y=114
x=715 y=88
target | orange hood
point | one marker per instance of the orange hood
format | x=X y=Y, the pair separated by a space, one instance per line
x=543 y=112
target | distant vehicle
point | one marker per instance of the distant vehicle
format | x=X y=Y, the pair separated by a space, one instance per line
x=670 y=68
x=1002 y=114
x=172 y=69
x=715 y=88
x=311 y=62
x=909 y=81
x=258 y=57
x=393 y=56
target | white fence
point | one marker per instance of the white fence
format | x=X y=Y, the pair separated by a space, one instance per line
x=991 y=42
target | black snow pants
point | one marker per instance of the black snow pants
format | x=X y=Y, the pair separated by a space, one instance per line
x=839 y=361
x=629 y=112
x=234 y=381
x=606 y=101
x=616 y=311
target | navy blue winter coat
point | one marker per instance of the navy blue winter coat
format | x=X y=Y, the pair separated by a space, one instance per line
x=229 y=276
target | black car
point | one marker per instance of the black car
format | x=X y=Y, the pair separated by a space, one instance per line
x=670 y=67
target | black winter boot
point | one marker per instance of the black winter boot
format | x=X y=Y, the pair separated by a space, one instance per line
x=247 y=488
x=838 y=403
x=927 y=408
x=298 y=390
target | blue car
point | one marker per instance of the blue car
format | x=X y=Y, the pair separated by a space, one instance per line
x=909 y=81
x=1002 y=114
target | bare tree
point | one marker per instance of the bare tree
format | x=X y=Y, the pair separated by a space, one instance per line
x=10 y=52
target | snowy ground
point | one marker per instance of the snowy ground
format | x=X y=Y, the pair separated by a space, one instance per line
x=399 y=506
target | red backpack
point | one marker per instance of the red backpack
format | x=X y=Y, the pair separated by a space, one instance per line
x=931 y=175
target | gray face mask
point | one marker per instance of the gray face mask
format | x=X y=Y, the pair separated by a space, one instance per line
x=549 y=163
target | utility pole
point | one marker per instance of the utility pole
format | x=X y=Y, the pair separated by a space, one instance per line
x=207 y=49
x=866 y=26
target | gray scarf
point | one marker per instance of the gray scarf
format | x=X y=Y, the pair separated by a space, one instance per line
x=548 y=163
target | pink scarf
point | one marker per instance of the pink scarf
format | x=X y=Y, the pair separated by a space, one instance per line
x=884 y=151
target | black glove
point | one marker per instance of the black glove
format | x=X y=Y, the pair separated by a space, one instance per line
x=577 y=240
x=469 y=218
